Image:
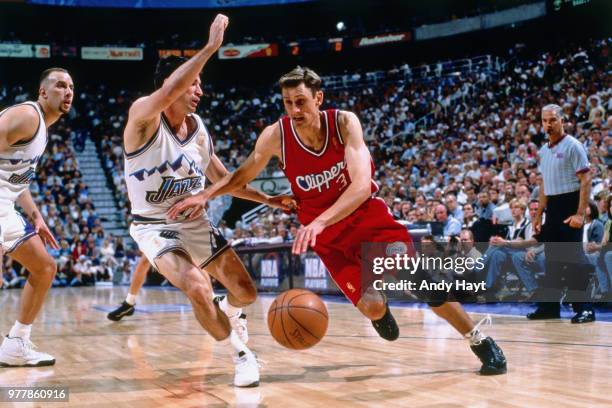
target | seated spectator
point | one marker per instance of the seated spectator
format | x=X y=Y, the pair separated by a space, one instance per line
x=469 y=217
x=453 y=207
x=450 y=225
x=500 y=251
x=592 y=241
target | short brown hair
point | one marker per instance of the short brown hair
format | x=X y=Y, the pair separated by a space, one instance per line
x=45 y=74
x=300 y=75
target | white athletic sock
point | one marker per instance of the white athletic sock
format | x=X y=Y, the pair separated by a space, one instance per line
x=475 y=336
x=229 y=309
x=21 y=330
x=233 y=344
x=131 y=299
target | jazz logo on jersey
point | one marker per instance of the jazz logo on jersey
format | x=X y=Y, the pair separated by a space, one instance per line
x=172 y=187
x=320 y=181
x=25 y=178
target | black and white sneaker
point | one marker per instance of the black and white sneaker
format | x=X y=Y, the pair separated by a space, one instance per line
x=124 y=310
x=387 y=326
x=491 y=356
x=18 y=352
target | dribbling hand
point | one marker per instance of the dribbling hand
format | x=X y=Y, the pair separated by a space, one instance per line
x=307 y=236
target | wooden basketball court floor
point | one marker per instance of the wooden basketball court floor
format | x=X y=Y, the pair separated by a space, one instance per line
x=160 y=357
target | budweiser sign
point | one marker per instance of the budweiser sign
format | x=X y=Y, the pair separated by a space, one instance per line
x=112 y=53
x=382 y=39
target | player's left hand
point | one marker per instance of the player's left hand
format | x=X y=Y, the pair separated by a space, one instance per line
x=40 y=226
x=284 y=202
x=307 y=235
x=575 y=221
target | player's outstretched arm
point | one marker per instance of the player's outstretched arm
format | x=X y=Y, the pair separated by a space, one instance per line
x=16 y=124
x=267 y=145
x=147 y=109
x=358 y=160
x=216 y=171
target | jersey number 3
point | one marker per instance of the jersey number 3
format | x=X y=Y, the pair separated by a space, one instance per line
x=341 y=180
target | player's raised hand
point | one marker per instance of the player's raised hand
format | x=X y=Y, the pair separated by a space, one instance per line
x=40 y=226
x=217 y=28
x=285 y=202
x=307 y=236
x=195 y=204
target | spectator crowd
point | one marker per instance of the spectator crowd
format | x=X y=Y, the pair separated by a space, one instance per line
x=457 y=153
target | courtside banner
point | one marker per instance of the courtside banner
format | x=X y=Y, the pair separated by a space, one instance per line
x=25 y=50
x=167 y=52
x=112 y=53
x=248 y=51
x=382 y=39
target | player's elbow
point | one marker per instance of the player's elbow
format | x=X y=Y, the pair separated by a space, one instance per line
x=364 y=191
x=586 y=178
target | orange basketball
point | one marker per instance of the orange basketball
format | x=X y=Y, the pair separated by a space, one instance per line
x=297 y=319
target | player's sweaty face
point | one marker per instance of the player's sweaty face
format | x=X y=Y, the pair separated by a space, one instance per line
x=59 y=90
x=301 y=105
x=191 y=98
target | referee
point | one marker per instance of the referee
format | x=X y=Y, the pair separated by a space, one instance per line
x=564 y=194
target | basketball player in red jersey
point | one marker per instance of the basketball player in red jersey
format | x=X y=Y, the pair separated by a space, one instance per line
x=330 y=169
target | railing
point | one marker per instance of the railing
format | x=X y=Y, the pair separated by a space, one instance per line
x=250 y=215
x=406 y=73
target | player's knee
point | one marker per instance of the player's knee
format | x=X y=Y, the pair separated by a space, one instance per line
x=46 y=270
x=201 y=295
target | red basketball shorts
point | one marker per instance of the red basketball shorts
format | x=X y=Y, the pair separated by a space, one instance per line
x=340 y=245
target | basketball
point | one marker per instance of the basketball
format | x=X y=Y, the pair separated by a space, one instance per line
x=297 y=319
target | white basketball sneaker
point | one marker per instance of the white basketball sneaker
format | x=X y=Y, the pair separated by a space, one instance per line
x=238 y=321
x=247 y=370
x=18 y=352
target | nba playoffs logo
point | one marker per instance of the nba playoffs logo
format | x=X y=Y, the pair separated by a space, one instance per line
x=396 y=248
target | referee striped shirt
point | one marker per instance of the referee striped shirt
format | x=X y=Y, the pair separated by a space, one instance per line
x=560 y=164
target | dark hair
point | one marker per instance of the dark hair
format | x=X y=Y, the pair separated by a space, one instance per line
x=165 y=67
x=300 y=75
x=45 y=74
x=428 y=237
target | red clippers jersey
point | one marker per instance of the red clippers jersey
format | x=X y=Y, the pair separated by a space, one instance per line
x=317 y=178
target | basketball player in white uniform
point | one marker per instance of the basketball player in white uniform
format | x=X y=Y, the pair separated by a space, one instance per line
x=168 y=155
x=23 y=139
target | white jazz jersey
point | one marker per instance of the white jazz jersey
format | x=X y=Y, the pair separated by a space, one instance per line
x=18 y=162
x=166 y=170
